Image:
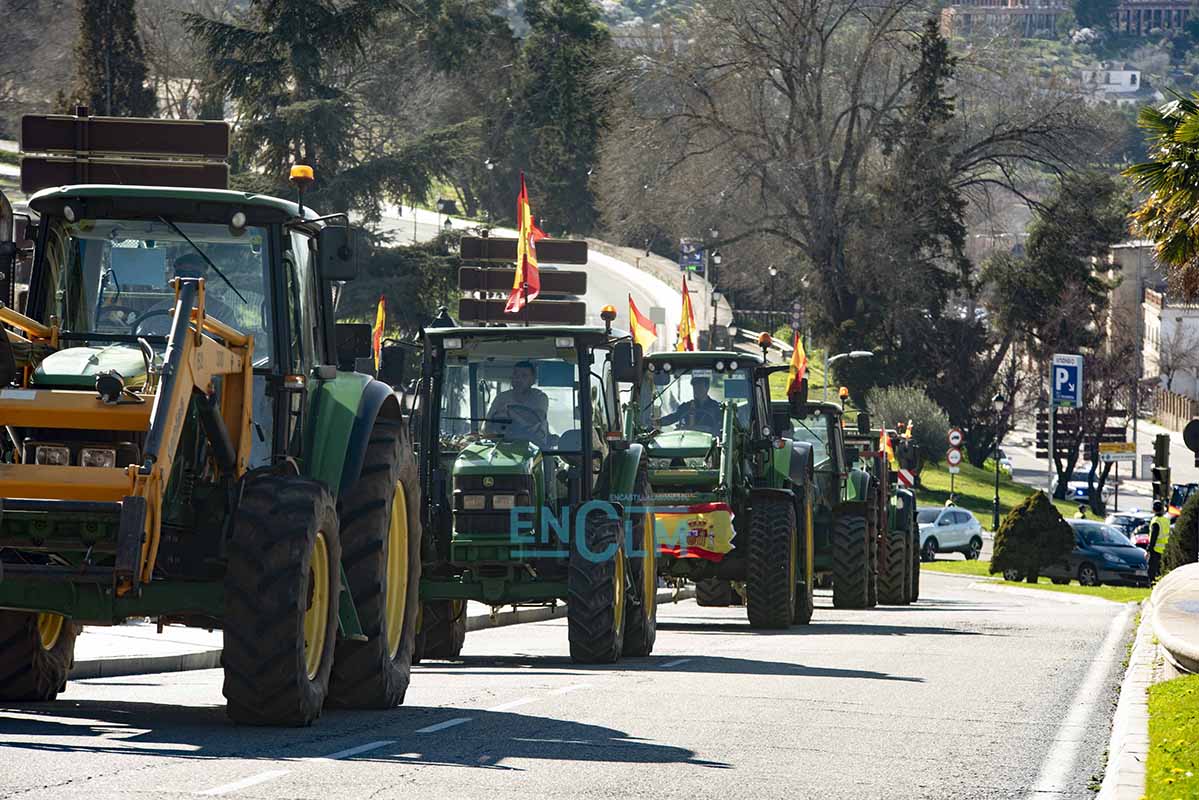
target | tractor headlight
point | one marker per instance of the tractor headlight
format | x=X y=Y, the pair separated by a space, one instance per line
x=474 y=502
x=97 y=457
x=503 y=502
x=52 y=455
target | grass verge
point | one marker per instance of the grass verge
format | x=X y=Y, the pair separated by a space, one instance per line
x=1118 y=594
x=974 y=490
x=1172 y=770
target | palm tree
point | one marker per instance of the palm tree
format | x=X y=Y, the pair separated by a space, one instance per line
x=1169 y=215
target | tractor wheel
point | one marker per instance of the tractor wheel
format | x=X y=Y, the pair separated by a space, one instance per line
x=914 y=550
x=772 y=566
x=442 y=630
x=713 y=593
x=851 y=561
x=36 y=653
x=281 y=598
x=872 y=575
x=805 y=601
x=892 y=572
x=380 y=538
x=596 y=592
x=641 y=626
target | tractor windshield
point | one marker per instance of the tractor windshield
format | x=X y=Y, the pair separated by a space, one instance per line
x=693 y=398
x=113 y=276
x=511 y=390
x=813 y=429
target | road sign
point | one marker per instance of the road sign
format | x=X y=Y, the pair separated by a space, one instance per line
x=954 y=470
x=691 y=256
x=1066 y=378
x=1117 y=451
x=955 y=437
x=906 y=478
x=657 y=315
x=953 y=456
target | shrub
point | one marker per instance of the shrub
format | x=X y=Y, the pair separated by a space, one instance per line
x=1032 y=535
x=892 y=405
x=1183 y=535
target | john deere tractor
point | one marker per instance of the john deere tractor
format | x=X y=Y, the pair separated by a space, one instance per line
x=733 y=500
x=185 y=442
x=532 y=492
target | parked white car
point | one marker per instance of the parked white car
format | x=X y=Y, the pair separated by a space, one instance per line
x=948 y=530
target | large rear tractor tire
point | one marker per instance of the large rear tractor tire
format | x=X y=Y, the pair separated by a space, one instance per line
x=381 y=538
x=713 y=593
x=36 y=653
x=281 y=600
x=442 y=630
x=597 y=592
x=641 y=624
x=851 y=561
x=772 y=566
x=892 y=589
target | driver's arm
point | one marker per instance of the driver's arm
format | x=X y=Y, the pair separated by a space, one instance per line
x=679 y=413
x=498 y=410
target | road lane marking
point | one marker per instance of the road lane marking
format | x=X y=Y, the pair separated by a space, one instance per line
x=353 y=751
x=572 y=688
x=1063 y=751
x=524 y=701
x=441 y=726
x=675 y=663
x=245 y=783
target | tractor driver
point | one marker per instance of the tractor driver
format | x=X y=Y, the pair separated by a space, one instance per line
x=700 y=413
x=522 y=411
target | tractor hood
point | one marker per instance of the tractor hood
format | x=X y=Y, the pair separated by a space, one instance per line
x=77 y=367
x=681 y=444
x=485 y=457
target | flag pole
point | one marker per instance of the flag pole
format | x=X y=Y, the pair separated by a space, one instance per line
x=524 y=288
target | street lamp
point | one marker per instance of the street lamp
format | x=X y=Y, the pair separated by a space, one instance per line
x=712 y=329
x=830 y=360
x=998 y=402
x=774 y=273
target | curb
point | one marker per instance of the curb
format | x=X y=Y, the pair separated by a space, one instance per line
x=1124 y=776
x=211 y=659
x=1175 y=606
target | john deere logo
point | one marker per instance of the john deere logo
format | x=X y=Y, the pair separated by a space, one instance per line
x=488 y=482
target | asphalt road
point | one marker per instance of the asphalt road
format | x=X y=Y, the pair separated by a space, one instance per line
x=971 y=693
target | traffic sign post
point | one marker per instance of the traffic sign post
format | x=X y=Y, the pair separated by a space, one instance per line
x=953 y=457
x=1065 y=382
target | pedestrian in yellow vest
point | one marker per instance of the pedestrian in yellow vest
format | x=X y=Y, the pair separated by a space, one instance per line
x=1159 y=537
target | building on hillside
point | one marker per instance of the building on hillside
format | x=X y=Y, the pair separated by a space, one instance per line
x=1132 y=269
x=1141 y=17
x=1120 y=84
x=1171 y=343
x=1032 y=18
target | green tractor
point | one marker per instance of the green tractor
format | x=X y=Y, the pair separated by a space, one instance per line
x=187 y=440
x=733 y=500
x=532 y=492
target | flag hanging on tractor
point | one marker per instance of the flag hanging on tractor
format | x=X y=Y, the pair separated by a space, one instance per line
x=884 y=445
x=798 y=368
x=527 y=283
x=644 y=331
x=377 y=331
x=687 y=329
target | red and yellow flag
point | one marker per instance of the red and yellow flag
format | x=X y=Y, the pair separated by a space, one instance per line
x=527 y=283
x=644 y=331
x=798 y=368
x=884 y=445
x=687 y=329
x=907 y=432
x=377 y=331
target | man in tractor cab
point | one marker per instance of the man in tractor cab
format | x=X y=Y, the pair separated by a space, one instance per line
x=522 y=411
x=700 y=413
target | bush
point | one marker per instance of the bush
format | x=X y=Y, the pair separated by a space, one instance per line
x=892 y=405
x=1032 y=535
x=1183 y=536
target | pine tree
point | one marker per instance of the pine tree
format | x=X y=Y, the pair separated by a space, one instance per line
x=110 y=62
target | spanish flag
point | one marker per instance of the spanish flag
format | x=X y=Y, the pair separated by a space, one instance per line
x=644 y=331
x=884 y=445
x=798 y=368
x=907 y=432
x=527 y=283
x=687 y=329
x=377 y=332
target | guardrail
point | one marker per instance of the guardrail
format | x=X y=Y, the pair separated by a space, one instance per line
x=775 y=344
x=1176 y=618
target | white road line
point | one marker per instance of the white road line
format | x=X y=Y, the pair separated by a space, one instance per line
x=441 y=726
x=353 y=751
x=245 y=783
x=524 y=701
x=572 y=688
x=1063 y=751
x=675 y=663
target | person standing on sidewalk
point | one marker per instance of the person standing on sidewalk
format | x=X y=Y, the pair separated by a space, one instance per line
x=1159 y=537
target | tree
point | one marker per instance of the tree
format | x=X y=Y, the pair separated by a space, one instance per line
x=110 y=62
x=1031 y=536
x=892 y=405
x=416 y=280
x=1184 y=537
x=1095 y=13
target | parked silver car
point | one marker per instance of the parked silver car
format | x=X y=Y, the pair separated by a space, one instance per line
x=948 y=530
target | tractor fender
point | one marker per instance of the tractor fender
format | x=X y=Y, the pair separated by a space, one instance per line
x=378 y=400
x=624 y=467
x=764 y=492
x=802 y=464
x=859 y=485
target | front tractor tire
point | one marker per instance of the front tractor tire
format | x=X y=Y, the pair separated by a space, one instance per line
x=442 y=630
x=281 y=600
x=805 y=600
x=851 y=561
x=36 y=653
x=381 y=538
x=597 y=592
x=641 y=625
x=772 y=566
x=713 y=593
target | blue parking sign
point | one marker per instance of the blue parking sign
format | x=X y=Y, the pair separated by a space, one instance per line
x=1066 y=378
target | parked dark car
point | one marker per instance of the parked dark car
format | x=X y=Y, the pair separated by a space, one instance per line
x=1101 y=554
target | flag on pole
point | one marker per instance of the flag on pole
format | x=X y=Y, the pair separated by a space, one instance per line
x=527 y=283
x=687 y=328
x=798 y=368
x=907 y=432
x=644 y=331
x=884 y=445
x=377 y=331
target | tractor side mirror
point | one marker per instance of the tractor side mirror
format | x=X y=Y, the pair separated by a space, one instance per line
x=626 y=362
x=353 y=343
x=797 y=400
x=338 y=259
x=863 y=423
